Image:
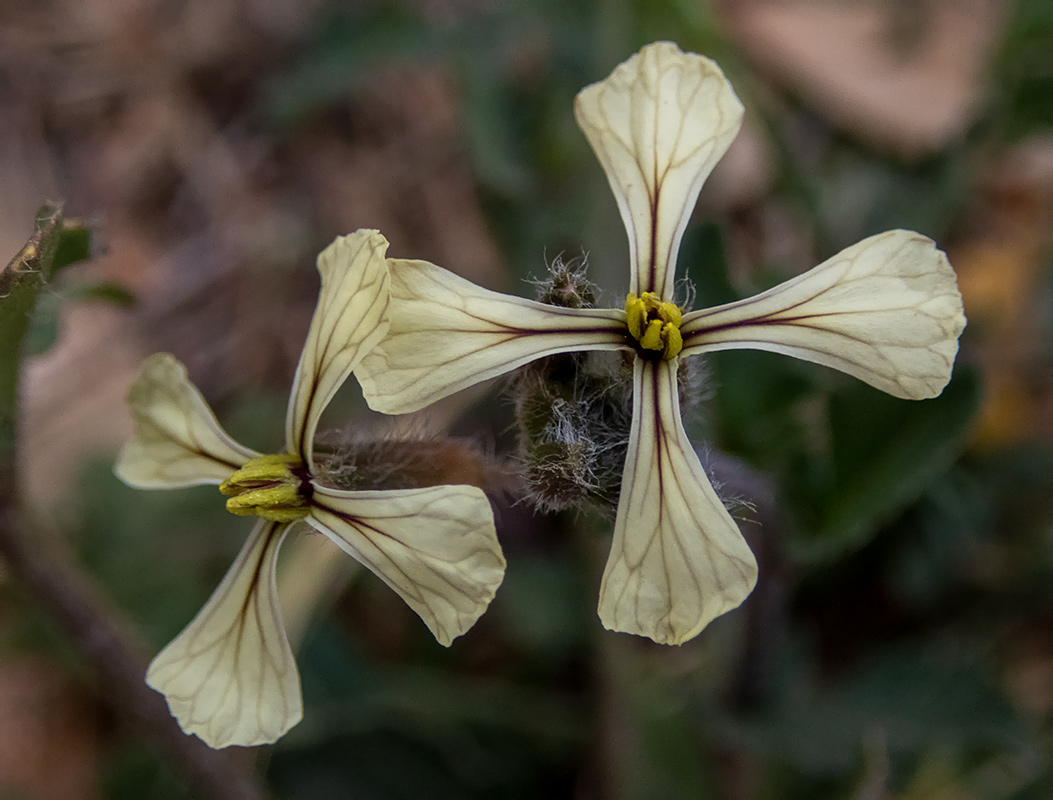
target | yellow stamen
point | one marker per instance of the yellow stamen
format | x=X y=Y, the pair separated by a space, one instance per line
x=268 y=486
x=652 y=338
x=635 y=314
x=654 y=324
x=674 y=342
x=669 y=312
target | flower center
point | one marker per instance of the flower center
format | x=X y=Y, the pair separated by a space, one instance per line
x=654 y=324
x=275 y=487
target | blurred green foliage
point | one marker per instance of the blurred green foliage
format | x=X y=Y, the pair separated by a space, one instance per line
x=1022 y=71
x=903 y=588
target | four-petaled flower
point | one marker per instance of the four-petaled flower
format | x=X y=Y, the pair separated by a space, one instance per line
x=886 y=310
x=230 y=676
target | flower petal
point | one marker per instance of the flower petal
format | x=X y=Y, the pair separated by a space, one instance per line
x=677 y=560
x=436 y=547
x=230 y=677
x=659 y=124
x=177 y=440
x=886 y=310
x=351 y=317
x=447 y=334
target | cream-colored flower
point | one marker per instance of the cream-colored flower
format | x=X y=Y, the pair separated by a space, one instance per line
x=230 y=677
x=886 y=310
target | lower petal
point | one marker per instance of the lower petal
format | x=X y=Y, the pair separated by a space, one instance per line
x=230 y=677
x=677 y=560
x=436 y=547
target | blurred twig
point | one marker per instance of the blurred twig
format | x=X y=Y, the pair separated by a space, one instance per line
x=50 y=576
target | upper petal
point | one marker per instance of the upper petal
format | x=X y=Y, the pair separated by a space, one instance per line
x=677 y=560
x=230 y=677
x=659 y=124
x=351 y=317
x=886 y=310
x=436 y=547
x=447 y=334
x=177 y=440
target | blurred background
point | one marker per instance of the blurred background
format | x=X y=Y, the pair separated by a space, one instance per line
x=900 y=641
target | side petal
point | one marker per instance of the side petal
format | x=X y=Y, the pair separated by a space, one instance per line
x=447 y=334
x=436 y=547
x=886 y=310
x=351 y=317
x=177 y=440
x=677 y=560
x=230 y=677
x=659 y=124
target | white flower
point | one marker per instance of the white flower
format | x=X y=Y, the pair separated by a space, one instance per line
x=886 y=310
x=230 y=677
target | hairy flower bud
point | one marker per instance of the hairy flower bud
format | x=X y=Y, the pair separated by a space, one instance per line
x=567 y=284
x=572 y=411
x=405 y=461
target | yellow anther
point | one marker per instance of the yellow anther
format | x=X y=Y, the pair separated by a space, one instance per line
x=670 y=312
x=635 y=314
x=269 y=487
x=674 y=342
x=260 y=471
x=652 y=338
x=654 y=324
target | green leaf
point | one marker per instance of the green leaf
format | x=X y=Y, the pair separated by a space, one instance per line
x=43 y=329
x=101 y=292
x=885 y=452
x=73 y=246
